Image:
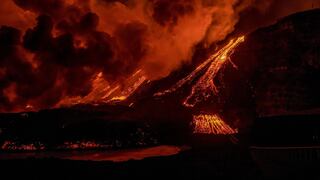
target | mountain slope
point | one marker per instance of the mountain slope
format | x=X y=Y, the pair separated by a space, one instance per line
x=273 y=71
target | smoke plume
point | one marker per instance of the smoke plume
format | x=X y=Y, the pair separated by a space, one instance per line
x=52 y=49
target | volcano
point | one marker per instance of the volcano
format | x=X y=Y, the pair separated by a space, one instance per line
x=271 y=71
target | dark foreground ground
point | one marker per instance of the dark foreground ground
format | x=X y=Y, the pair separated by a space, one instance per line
x=197 y=163
x=201 y=162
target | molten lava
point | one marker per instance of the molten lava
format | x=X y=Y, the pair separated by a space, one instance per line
x=205 y=86
x=103 y=92
x=211 y=124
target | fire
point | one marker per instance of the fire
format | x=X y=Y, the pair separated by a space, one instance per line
x=205 y=86
x=211 y=124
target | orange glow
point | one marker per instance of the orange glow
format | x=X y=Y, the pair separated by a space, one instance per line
x=67 y=52
x=12 y=15
x=130 y=86
x=205 y=86
x=103 y=92
x=119 y=98
x=10 y=92
x=211 y=124
x=80 y=42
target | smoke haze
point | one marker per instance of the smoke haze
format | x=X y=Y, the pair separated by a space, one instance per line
x=52 y=49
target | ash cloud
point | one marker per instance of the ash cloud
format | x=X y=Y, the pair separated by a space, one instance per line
x=52 y=49
x=166 y=12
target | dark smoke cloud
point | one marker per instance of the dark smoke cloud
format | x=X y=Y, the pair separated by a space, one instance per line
x=56 y=8
x=51 y=49
x=167 y=12
x=130 y=49
x=48 y=6
x=17 y=75
x=63 y=66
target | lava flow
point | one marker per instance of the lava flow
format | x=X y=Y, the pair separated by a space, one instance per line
x=203 y=89
x=103 y=92
x=211 y=124
x=205 y=86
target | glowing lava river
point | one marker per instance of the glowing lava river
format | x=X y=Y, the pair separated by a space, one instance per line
x=205 y=87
